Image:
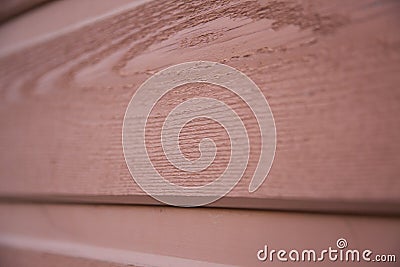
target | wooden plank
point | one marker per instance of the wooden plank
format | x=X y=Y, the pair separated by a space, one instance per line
x=13 y=257
x=65 y=253
x=11 y=8
x=328 y=71
x=129 y=234
x=34 y=27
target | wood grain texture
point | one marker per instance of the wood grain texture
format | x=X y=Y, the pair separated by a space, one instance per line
x=184 y=237
x=34 y=26
x=328 y=70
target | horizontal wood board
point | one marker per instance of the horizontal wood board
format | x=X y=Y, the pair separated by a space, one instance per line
x=165 y=236
x=329 y=71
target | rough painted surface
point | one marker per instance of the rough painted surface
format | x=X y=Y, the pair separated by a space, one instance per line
x=328 y=70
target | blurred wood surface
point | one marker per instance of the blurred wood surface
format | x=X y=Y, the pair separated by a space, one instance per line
x=164 y=236
x=329 y=71
x=12 y=8
x=14 y=257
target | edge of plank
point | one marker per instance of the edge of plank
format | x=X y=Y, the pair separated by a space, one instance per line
x=272 y=204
